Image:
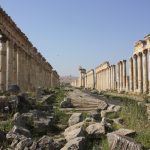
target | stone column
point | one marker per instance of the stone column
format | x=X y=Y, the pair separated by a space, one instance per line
x=121 y=75
x=9 y=63
x=127 y=83
x=110 y=78
x=135 y=72
x=15 y=65
x=124 y=74
x=145 y=72
x=114 y=77
x=2 y=63
x=19 y=67
x=118 y=76
x=140 y=73
x=131 y=74
x=149 y=72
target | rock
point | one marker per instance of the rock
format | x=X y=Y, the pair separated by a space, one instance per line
x=21 y=131
x=78 y=143
x=23 y=144
x=38 y=114
x=2 y=137
x=33 y=146
x=75 y=118
x=11 y=136
x=59 y=143
x=114 y=108
x=66 y=103
x=117 y=108
x=76 y=126
x=13 y=89
x=96 y=130
x=95 y=115
x=102 y=105
x=47 y=99
x=74 y=133
x=19 y=103
x=46 y=143
x=120 y=142
x=107 y=123
x=125 y=132
x=89 y=119
x=41 y=125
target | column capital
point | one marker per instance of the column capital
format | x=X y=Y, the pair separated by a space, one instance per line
x=135 y=56
x=140 y=54
x=124 y=60
x=131 y=59
x=145 y=51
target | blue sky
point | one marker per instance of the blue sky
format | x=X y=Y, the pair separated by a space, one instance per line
x=70 y=33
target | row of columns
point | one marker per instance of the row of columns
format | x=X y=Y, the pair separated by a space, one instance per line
x=28 y=69
x=90 y=79
x=139 y=72
x=106 y=79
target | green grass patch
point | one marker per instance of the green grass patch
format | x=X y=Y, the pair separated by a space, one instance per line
x=6 y=126
x=135 y=117
x=113 y=115
x=60 y=117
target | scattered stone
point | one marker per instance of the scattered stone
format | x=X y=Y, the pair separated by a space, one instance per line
x=47 y=99
x=33 y=146
x=74 y=133
x=125 y=132
x=46 y=143
x=66 y=103
x=21 y=131
x=11 y=136
x=2 y=137
x=107 y=123
x=14 y=89
x=120 y=142
x=59 y=143
x=75 y=118
x=41 y=125
x=102 y=105
x=24 y=143
x=95 y=115
x=96 y=129
x=78 y=143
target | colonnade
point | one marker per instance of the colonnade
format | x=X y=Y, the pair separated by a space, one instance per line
x=110 y=77
x=106 y=77
x=90 y=79
x=20 y=62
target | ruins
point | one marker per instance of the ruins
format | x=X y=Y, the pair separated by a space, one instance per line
x=20 y=61
x=115 y=77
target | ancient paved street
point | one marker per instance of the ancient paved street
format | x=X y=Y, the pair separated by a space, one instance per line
x=84 y=102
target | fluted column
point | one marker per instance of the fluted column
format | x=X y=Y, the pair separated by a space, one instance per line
x=114 y=77
x=9 y=63
x=140 y=82
x=2 y=63
x=131 y=74
x=127 y=84
x=110 y=77
x=124 y=74
x=145 y=72
x=149 y=72
x=118 y=81
x=19 y=67
x=121 y=75
x=135 y=72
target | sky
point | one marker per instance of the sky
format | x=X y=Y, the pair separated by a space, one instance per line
x=73 y=33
